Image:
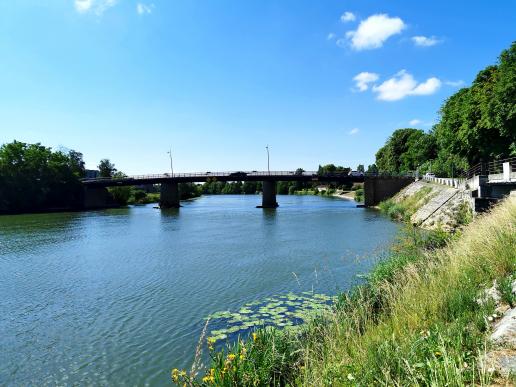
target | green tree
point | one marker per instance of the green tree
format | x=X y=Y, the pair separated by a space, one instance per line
x=479 y=123
x=372 y=168
x=121 y=194
x=405 y=150
x=106 y=168
x=33 y=177
x=360 y=168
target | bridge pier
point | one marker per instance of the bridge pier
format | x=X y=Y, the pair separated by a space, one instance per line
x=269 y=194
x=97 y=197
x=169 y=195
x=380 y=188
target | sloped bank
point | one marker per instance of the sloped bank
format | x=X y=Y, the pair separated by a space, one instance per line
x=416 y=321
x=430 y=206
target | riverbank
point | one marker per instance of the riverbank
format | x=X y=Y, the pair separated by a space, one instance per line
x=347 y=195
x=415 y=321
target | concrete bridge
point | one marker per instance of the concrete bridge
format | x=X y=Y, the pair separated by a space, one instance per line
x=377 y=188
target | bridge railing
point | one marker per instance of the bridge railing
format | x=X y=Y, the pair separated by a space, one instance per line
x=235 y=174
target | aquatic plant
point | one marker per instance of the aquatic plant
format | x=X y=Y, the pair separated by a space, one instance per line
x=280 y=311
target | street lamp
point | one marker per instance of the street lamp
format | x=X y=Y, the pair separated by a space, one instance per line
x=171 y=163
x=268 y=167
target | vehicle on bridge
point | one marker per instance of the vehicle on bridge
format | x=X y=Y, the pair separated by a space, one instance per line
x=238 y=175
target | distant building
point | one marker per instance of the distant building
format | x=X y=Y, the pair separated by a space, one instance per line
x=91 y=174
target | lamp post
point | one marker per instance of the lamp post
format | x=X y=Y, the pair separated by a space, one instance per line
x=268 y=167
x=171 y=163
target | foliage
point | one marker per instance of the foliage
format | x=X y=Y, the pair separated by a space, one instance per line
x=106 y=168
x=332 y=168
x=189 y=191
x=372 y=168
x=33 y=177
x=359 y=195
x=479 y=123
x=360 y=168
x=122 y=194
x=405 y=150
x=505 y=289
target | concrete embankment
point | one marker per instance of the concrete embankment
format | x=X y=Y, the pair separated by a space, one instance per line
x=434 y=206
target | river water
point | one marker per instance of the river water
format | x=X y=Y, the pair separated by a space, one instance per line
x=119 y=297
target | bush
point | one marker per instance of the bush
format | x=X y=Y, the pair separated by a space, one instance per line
x=359 y=195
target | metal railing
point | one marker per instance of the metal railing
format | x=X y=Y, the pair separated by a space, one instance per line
x=235 y=174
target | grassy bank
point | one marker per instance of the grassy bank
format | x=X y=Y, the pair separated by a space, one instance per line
x=414 y=322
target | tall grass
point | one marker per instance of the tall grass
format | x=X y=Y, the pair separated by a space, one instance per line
x=415 y=321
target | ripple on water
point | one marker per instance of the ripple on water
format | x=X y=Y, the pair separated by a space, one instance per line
x=120 y=296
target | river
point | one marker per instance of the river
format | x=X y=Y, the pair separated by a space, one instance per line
x=119 y=297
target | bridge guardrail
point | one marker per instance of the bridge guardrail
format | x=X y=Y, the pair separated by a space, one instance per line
x=236 y=174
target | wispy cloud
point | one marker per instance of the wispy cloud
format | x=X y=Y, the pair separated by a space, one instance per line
x=374 y=31
x=353 y=131
x=347 y=17
x=415 y=122
x=424 y=41
x=363 y=79
x=458 y=83
x=403 y=84
x=331 y=36
x=96 y=6
x=143 y=9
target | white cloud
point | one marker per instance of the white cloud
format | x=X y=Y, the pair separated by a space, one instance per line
x=363 y=80
x=403 y=84
x=353 y=131
x=424 y=41
x=374 y=31
x=458 y=83
x=415 y=122
x=331 y=36
x=347 y=17
x=83 y=5
x=142 y=8
x=96 y=6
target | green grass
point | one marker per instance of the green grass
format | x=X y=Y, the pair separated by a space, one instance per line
x=414 y=322
x=404 y=209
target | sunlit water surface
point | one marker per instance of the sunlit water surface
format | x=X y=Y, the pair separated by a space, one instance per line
x=119 y=296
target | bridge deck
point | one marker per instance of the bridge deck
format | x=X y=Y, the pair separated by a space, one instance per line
x=200 y=177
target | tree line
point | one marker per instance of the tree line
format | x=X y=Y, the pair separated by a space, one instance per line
x=33 y=177
x=476 y=124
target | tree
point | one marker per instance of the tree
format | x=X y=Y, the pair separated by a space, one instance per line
x=405 y=150
x=360 y=168
x=106 y=168
x=479 y=123
x=33 y=177
x=120 y=194
x=372 y=168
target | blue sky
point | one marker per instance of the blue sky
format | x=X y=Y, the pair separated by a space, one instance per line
x=319 y=81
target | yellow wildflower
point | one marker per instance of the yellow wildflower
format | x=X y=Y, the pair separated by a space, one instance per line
x=175 y=375
x=255 y=336
x=231 y=357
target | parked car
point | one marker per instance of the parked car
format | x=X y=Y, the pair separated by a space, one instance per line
x=356 y=173
x=429 y=174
